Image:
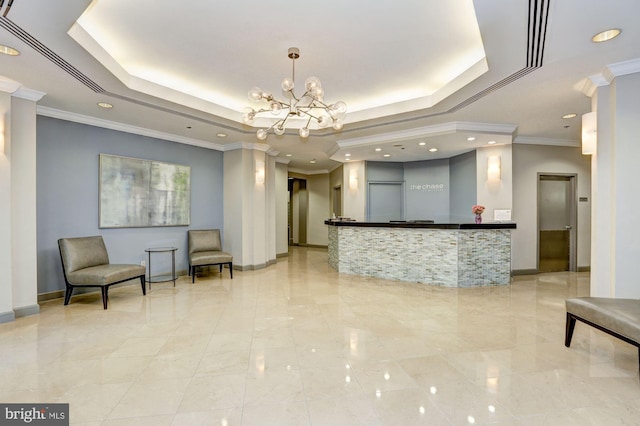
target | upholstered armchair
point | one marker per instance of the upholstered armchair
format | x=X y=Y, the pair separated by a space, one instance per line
x=85 y=263
x=205 y=248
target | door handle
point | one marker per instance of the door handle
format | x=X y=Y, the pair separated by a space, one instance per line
x=567 y=227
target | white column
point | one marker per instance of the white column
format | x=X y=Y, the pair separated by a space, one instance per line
x=249 y=211
x=615 y=175
x=354 y=190
x=18 y=233
x=6 y=281
x=494 y=192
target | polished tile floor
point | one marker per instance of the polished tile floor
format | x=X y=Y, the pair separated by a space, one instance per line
x=299 y=344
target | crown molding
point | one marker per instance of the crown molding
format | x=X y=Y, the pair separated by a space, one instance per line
x=608 y=74
x=28 y=94
x=309 y=172
x=436 y=129
x=112 y=125
x=528 y=140
x=282 y=160
x=251 y=146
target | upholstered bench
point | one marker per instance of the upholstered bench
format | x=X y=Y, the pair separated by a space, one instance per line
x=85 y=263
x=617 y=317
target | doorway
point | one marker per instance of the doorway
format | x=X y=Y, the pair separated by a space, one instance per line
x=297 y=215
x=385 y=201
x=556 y=222
x=337 y=201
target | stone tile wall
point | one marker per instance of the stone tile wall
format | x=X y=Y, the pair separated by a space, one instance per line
x=443 y=257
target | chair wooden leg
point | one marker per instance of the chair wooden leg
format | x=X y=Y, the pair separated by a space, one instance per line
x=231 y=269
x=67 y=294
x=220 y=267
x=144 y=285
x=570 y=325
x=105 y=295
x=193 y=274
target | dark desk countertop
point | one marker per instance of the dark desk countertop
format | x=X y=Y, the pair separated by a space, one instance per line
x=422 y=225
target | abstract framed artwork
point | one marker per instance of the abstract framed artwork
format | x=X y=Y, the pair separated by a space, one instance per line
x=143 y=193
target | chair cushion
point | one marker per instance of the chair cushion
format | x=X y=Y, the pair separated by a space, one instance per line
x=619 y=315
x=83 y=252
x=105 y=274
x=209 y=258
x=204 y=240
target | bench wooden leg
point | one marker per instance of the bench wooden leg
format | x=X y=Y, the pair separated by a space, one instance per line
x=67 y=294
x=144 y=285
x=105 y=295
x=570 y=325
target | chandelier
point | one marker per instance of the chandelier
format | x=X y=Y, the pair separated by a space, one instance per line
x=309 y=106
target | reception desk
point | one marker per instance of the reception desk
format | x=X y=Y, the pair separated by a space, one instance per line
x=449 y=255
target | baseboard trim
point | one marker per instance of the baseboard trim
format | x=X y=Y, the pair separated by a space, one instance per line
x=584 y=268
x=515 y=272
x=279 y=255
x=43 y=297
x=7 y=316
x=317 y=246
x=25 y=311
x=255 y=267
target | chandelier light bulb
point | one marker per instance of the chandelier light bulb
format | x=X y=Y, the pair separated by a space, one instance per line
x=255 y=94
x=248 y=116
x=341 y=108
x=312 y=83
x=308 y=105
x=276 y=107
x=287 y=84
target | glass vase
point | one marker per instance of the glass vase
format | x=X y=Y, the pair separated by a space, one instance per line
x=478 y=218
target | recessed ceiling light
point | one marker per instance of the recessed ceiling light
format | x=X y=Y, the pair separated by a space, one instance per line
x=386 y=155
x=221 y=135
x=606 y=35
x=572 y=115
x=471 y=139
x=106 y=105
x=422 y=143
x=347 y=159
x=288 y=155
x=347 y=155
x=312 y=161
x=6 y=50
x=433 y=149
x=378 y=149
x=491 y=142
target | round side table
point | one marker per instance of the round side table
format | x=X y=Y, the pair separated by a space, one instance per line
x=162 y=278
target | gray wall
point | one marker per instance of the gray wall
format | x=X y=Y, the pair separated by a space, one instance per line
x=441 y=190
x=67 y=194
x=427 y=190
x=462 y=177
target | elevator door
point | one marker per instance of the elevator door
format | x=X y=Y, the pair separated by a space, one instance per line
x=556 y=223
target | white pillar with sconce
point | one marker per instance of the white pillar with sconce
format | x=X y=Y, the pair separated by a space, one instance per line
x=494 y=180
x=614 y=181
x=18 y=237
x=354 y=192
x=249 y=207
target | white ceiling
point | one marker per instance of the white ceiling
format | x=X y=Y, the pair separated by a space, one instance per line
x=410 y=71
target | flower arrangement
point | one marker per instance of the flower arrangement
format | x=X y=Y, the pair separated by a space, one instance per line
x=477 y=209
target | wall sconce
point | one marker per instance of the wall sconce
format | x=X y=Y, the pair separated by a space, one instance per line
x=589 y=133
x=353 y=180
x=260 y=172
x=493 y=168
